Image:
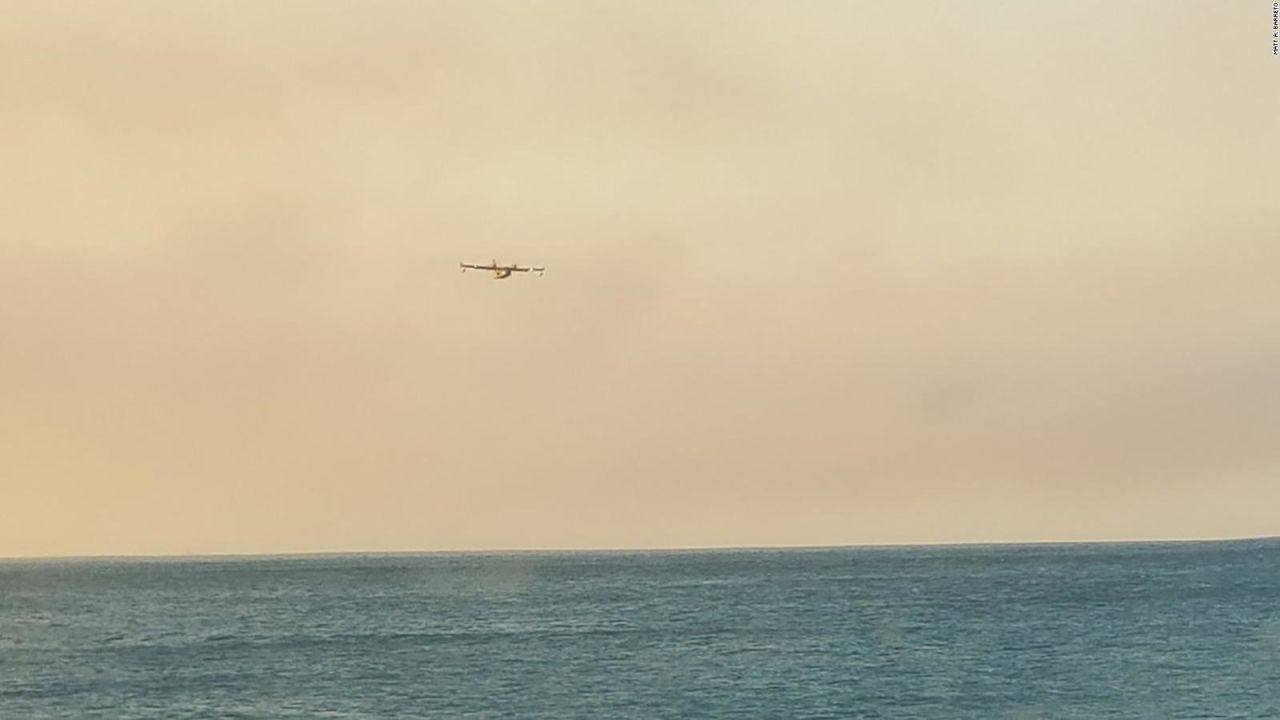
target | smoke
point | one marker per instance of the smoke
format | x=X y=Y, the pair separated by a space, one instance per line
x=827 y=273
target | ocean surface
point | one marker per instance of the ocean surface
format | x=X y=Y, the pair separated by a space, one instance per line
x=1176 y=630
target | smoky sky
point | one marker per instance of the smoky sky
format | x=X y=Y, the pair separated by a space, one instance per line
x=818 y=273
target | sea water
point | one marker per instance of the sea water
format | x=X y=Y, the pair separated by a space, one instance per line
x=1179 y=630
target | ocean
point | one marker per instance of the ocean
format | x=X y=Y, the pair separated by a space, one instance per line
x=1157 y=630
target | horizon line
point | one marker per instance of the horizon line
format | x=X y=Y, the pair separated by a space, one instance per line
x=625 y=550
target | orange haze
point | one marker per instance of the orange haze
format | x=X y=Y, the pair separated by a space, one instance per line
x=825 y=272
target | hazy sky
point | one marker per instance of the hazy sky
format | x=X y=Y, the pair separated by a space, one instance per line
x=819 y=273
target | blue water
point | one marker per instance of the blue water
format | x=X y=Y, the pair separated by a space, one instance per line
x=1049 y=631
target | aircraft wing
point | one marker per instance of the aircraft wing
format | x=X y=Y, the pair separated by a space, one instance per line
x=501 y=268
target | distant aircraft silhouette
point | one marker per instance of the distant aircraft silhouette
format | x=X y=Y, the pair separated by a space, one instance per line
x=500 y=271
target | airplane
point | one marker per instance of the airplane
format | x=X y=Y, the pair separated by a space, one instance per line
x=500 y=271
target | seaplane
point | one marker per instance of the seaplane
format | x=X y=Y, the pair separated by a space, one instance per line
x=501 y=271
